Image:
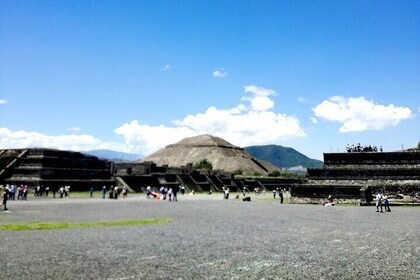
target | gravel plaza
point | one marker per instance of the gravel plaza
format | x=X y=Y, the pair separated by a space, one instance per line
x=209 y=238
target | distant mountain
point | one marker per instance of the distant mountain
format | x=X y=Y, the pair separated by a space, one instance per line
x=283 y=157
x=114 y=156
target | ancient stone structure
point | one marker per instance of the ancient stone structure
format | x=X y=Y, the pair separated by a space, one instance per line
x=54 y=168
x=355 y=177
x=173 y=166
x=224 y=156
x=137 y=176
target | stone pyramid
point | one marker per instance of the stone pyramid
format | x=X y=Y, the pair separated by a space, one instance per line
x=223 y=156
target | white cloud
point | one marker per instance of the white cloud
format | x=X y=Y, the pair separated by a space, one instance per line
x=360 y=114
x=220 y=74
x=2 y=101
x=23 y=139
x=303 y=100
x=167 y=67
x=74 y=129
x=244 y=125
x=259 y=91
x=145 y=139
x=251 y=122
x=260 y=100
x=314 y=120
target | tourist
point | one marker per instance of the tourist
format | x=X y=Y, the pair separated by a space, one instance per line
x=91 y=191
x=20 y=192
x=386 y=204
x=281 y=195
x=226 y=193
x=274 y=193
x=103 y=192
x=148 y=191
x=61 y=192
x=174 y=191
x=5 y=196
x=67 y=191
x=125 y=191
x=329 y=201
x=25 y=193
x=12 y=192
x=170 y=194
x=379 y=202
x=116 y=192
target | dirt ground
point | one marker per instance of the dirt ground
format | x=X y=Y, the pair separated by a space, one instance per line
x=210 y=238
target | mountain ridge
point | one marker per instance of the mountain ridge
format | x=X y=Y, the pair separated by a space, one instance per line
x=114 y=155
x=283 y=157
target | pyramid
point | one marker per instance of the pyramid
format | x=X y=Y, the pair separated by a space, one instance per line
x=224 y=156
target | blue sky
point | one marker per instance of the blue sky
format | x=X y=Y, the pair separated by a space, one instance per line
x=135 y=76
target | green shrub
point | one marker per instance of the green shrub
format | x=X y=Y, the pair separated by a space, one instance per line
x=238 y=172
x=204 y=164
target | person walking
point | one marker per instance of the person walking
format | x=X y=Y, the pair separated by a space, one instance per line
x=5 y=196
x=379 y=202
x=386 y=204
x=174 y=191
x=281 y=195
x=103 y=192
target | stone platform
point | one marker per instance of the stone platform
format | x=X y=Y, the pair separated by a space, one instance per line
x=54 y=168
x=354 y=178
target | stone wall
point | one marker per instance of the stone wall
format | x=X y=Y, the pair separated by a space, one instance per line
x=355 y=177
x=55 y=168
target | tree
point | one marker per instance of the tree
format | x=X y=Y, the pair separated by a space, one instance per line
x=275 y=173
x=238 y=172
x=204 y=164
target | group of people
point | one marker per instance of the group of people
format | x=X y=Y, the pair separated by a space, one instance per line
x=279 y=192
x=22 y=192
x=41 y=190
x=359 y=148
x=114 y=192
x=8 y=192
x=382 y=200
x=63 y=191
x=258 y=191
x=164 y=193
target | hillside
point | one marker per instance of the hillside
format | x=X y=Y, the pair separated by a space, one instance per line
x=282 y=157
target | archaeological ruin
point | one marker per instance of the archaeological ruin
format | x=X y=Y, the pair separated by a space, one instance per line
x=352 y=177
x=54 y=168
x=355 y=177
x=171 y=166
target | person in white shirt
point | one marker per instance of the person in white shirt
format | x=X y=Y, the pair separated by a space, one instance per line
x=378 y=202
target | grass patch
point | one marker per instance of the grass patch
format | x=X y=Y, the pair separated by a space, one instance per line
x=49 y=226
